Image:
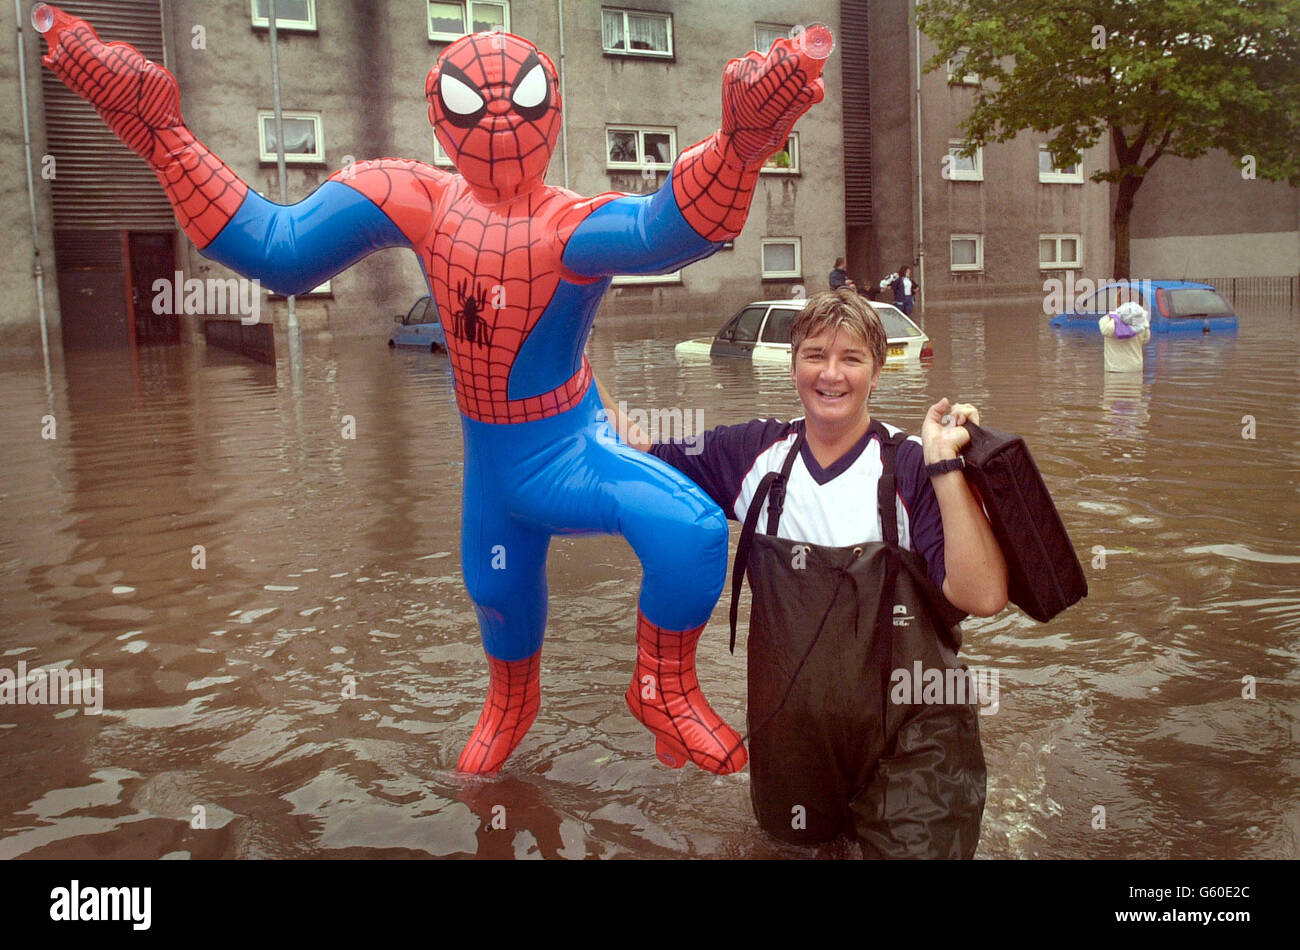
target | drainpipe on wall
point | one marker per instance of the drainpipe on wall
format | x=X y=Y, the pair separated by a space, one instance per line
x=564 y=113
x=920 y=181
x=38 y=271
x=279 y=147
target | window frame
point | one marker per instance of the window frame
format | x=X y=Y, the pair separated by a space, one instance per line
x=770 y=26
x=671 y=53
x=962 y=174
x=1055 y=176
x=467 y=18
x=767 y=242
x=323 y=289
x=640 y=163
x=979 y=254
x=281 y=23
x=1058 y=263
x=265 y=156
x=965 y=79
x=633 y=280
x=794 y=159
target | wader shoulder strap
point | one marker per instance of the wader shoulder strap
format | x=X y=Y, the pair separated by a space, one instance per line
x=887 y=487
x=886 y=502
x=773 y=483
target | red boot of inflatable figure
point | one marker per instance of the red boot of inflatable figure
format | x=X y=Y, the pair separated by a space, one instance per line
x=514 y=696
x=665 y=696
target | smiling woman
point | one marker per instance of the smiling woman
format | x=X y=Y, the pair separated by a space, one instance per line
x=825 y=740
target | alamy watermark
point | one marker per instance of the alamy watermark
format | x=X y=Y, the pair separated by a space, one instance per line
x=42 y=687
x=670 y=424
x=78 y=902
x=1069 y=294
x=214 y=296
x=945 y=687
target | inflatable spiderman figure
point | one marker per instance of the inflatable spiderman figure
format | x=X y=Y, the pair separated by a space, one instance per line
x=517 y=268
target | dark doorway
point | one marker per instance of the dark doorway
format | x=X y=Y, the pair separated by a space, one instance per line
x=150 y=257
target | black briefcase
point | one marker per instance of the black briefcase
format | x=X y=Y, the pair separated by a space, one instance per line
x=1044 y=575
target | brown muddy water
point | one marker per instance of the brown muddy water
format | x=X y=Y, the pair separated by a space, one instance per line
x=304 y=690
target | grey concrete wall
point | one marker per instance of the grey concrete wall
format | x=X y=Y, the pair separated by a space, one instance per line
x=19 y=325
x=1202 y=218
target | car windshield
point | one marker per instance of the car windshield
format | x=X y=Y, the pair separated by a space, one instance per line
x=1195 y=302
x=896 y=325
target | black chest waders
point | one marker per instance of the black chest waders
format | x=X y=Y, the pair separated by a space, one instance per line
x=830 y=750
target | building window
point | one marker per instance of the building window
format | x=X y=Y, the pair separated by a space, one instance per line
x=967 y=251
x=320 y=290
x=440 y=157
x=303 y=142
x=958 y=167
x=1059 y=250
x=622 y=280
x=781 y=258
x=297 y=15
x=451 y=20
x=765 y=34
x=632 y=33
x=1048 y=172
x=957 y=74
x=786 y=161
x=633 y=147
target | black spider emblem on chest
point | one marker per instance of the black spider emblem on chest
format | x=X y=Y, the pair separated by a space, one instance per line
x=469 y=321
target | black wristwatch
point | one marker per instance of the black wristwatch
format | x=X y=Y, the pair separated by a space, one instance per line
x=947 y=465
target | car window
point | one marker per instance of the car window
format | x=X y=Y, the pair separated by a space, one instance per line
x=1109 y=299
x=777 y=328
x=1197 y=303
x=418 y=309
x=896 y=325
x=744 y=326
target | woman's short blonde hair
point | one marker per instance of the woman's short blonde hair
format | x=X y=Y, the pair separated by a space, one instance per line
x=836 y=309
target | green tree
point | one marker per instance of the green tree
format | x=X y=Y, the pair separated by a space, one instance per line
x=1162 y=77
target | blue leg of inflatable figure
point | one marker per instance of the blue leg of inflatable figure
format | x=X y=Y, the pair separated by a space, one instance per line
x=526 y=482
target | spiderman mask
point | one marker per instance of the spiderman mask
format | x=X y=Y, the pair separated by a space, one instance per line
x=494 y=102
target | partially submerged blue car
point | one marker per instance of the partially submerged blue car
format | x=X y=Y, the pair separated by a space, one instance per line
x=420 y=327
x=1175 y=306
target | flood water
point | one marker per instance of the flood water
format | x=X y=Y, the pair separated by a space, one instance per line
x=301 y=685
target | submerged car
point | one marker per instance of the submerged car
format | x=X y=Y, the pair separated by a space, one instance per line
x=761 y=332
x=420 y=327
x=1174 y=305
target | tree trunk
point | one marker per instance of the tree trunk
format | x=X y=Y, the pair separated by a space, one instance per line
x=1128 y=187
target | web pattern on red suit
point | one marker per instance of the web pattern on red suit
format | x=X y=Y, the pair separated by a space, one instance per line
x=139 y=100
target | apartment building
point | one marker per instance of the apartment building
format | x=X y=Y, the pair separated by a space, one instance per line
x=874 y=172
x=640 y=84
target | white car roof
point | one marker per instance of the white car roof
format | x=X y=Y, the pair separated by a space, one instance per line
x=796 y=304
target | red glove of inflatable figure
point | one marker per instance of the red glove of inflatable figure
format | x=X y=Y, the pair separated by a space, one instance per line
x=764 y=96
x=138 y=99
